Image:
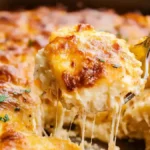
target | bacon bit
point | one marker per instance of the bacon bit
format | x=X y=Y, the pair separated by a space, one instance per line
x=116 y=46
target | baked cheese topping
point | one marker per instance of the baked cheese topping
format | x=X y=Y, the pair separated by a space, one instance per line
x=20 y=141
x=87 y=69
x=90 y=71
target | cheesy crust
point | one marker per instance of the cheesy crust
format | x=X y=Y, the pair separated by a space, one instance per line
x=20 y=141
x=87 y=69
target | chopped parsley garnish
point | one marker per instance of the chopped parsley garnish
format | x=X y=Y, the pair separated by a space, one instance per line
x=17 y=109
x=5 y=118
x=116 y=66
x=30 y=43
x=1 y=119
x=27 y=90
x=101 y=60
x=3 y=98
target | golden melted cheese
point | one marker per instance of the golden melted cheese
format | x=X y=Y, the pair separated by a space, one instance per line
x=20 y=141
x=87 y=69
x=22 y=110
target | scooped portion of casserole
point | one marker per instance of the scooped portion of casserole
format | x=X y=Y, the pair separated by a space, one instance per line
x=90 y=70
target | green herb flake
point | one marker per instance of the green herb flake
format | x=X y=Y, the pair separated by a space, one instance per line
x=101 y=60
x=116 y=66
x=5 y=118
x=3 y=98
x=17 y=109
x=27 y=90
x=1 y=119
x=30 y=43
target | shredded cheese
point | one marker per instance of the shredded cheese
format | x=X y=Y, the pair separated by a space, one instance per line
x=83 y=131
x=93 y=127
x=115 y=126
